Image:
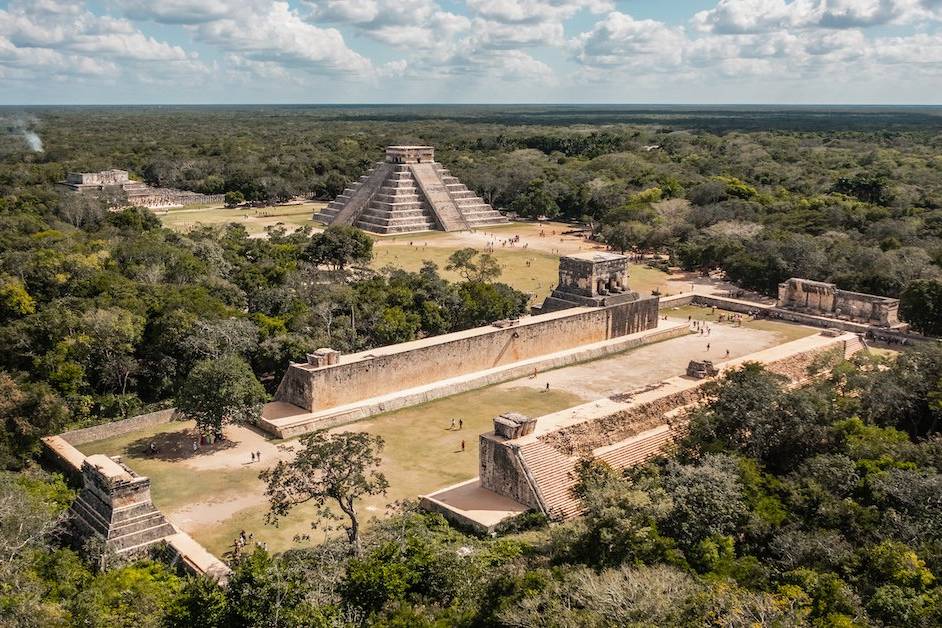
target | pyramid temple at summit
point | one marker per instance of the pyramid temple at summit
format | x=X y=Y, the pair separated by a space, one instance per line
x=409 y=191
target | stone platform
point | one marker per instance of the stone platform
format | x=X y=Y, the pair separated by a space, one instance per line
x=283 y=419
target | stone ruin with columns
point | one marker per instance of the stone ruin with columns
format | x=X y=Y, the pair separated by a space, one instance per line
x=593 y=279
x=138 y=193
x=825 y=299
x=409 y=191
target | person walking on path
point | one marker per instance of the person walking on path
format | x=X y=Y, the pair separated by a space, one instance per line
x=258 y=456
x=462 y=445
x=460 y=424
x=253 y=456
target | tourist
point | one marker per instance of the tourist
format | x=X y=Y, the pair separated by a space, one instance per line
x=462 y=445
x=258 y=454
x=153 y=447
x=460 y=424
x=195 y=445
x=727 y=353
x=452 y=426
x=253 y=456
x=547 y=386
x=708 y=346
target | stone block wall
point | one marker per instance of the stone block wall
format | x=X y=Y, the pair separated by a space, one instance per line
x=824 y=299
x=116 y=428
x=422 y=362
x=500 y=470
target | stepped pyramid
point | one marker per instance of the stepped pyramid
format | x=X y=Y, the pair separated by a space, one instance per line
x=114 y=505
x=407 y=192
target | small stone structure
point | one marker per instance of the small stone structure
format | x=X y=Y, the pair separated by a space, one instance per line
x=409 y=191
x=825 y=299
x=324 y=357
x=592 y=279
x=138 y=193
x=115 y=505
x=703 y=369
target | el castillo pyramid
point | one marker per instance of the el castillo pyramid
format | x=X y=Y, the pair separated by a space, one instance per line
x=409 y=191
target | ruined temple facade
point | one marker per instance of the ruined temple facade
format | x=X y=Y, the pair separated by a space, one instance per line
x=407 y=192
x=115 y=505
x=824 y=299
x=592 y=279
x=139 y=194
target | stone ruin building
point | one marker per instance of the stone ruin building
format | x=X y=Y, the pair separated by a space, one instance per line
x=138 y=193
x=592 y=279
x=407 y=192
x=818 y=298
x=115 y=506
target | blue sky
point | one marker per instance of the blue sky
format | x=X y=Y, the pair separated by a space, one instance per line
x=560 y=51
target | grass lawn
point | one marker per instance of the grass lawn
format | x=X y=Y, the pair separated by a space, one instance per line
x=785 y=331
x=255 y=220
x=537 y=279
x=421 y=455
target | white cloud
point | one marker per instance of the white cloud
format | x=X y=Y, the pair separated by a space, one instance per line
x=514 y=11
x=280 y=35
x=621 y=40
x=52 y=37
x=186 y=11
x=757 y=16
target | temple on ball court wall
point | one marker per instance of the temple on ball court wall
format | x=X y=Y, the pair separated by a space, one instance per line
x=593 y=279
x=408 y=192
x=824 y=299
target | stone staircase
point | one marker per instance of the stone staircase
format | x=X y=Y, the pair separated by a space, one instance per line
x=409 y=197
x=123 y=529
x=439 y=199
x=553 y=473
x=474 y=210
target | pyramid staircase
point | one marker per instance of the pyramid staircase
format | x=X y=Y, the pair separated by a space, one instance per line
x=114 y=505
x=407 y=197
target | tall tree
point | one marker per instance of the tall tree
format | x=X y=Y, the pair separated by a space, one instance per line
x=330 y=469
x=221 y=391
x=339 y=246
x=474 y=266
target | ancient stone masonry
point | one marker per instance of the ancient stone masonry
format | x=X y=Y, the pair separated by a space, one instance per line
x=824 y=299
x=115 y=505
x=591 y=279
x=532 y=461
x=327 y=380
x=138 y=193
x=408 y=192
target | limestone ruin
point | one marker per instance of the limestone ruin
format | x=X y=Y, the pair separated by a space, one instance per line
x=139 y=194
x=408 y=192
x=531 y=462
x=603 y=316
x=593 y=279
x=818 y=298
x=115 y=506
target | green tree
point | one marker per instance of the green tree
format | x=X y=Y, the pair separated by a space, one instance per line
x=626 y=235
x=28 y=411
x=535 y=201
x=328 y=470
x=221 y=391
x=474 y=266
x=921 y=306
x=234 y=198
x=339 y=246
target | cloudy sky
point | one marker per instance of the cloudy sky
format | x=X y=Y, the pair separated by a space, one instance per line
x=339 y=51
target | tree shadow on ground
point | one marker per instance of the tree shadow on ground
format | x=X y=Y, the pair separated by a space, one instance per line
x=175 y=446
